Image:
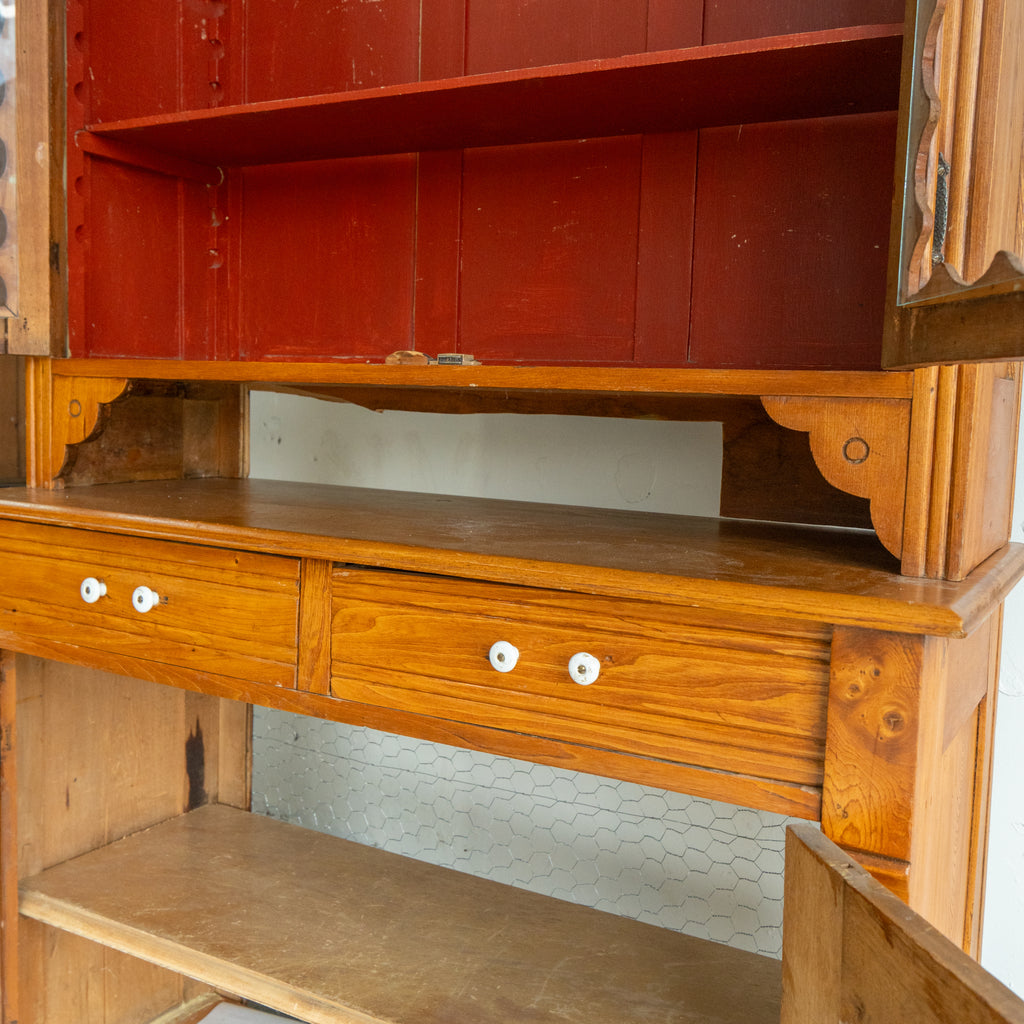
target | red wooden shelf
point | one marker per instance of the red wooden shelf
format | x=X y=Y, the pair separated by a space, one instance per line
x=811 y=74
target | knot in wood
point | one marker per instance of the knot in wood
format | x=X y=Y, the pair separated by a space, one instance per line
x=893 y=720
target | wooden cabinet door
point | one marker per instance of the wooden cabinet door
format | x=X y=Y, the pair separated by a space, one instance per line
x=956 y=287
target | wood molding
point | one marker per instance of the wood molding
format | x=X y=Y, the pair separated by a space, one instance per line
x=961 y=467
x=860 y=446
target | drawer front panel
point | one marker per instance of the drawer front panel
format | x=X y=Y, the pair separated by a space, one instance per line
x=223 y=612
x=669 y=687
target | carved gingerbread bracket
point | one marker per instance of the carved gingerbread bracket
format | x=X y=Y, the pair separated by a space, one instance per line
x=860 y=446
x=62 y=411
x=87 y=430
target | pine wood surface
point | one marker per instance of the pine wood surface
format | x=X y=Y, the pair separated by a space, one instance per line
x=852 y=950
x=583 y=379
x=333 y=931
x=747 y=703
x=233 y=613
x=843 y=577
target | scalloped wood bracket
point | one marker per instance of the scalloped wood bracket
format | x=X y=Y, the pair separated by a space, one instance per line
x=62 y=411
x=86 y=429
x=860 y=446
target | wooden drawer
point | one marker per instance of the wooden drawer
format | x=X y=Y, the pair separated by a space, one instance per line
x=671 y=685
x=226 y=613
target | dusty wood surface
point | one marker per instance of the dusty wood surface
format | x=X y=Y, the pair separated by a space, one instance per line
x=333 y=931
x=853 y=951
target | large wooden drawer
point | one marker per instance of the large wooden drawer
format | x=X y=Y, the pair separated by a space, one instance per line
x=225 y=613
x=671 y=686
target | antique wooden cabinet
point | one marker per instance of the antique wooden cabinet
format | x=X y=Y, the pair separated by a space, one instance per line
x=647 y=208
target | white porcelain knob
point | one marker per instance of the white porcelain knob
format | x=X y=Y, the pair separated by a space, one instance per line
x=143 y=599
x=584 y=668
x=92 y=589
x=503 y=656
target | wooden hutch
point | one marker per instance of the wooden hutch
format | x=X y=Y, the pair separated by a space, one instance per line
x=672 y=208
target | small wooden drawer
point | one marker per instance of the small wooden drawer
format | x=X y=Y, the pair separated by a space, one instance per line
x=226 y=613
x=672 y=685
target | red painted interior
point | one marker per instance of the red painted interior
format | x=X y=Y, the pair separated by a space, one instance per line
x=250 y=186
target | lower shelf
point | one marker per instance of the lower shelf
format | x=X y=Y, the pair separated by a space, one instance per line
x=330 y=931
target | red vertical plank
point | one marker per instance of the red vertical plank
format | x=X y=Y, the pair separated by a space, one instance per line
x=503 y=34
x=549 y=251
x=321 y=46
x=665 y=248
x=135 y=297
x=791 y=240
x=326 y=257
x=442 y=39
x=438 y=251
x=132 y=62
x=672 y=25
x=726 y=20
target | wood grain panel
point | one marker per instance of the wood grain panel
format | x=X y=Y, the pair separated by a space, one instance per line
x=230 y=614
x=668 y=688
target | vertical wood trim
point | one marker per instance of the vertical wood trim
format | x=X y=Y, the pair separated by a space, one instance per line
x=920 y=460
x=39 y=469
x=314 y=670
x=984 y=762
x=983 y=467
x=938 y=513
x=8 y=842
x=40 y=327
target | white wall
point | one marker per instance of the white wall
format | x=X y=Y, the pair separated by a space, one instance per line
x=699 y=866
x=1003 y=938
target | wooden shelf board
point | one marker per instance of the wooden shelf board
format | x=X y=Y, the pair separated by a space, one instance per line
x=812 y=74
x=841 y=577
x=576 y=379
x=333 y=931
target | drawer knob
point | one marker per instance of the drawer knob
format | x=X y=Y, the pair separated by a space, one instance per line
x=143 y=599
x=503 y=656
x=584 y=668
x=92 y=589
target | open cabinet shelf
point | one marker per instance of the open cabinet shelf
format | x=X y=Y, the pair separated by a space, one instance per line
x=332 y=931
x=816 y=74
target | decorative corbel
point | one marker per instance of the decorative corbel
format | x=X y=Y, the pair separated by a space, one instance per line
x=860 y=446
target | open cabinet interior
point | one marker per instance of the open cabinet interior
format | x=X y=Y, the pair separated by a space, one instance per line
x=523 y=184
x=646 y=209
